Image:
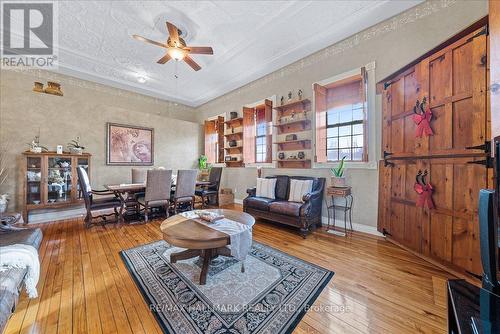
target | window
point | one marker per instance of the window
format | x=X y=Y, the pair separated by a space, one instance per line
x=340 y=120
x=261 y=136
x=257 y=136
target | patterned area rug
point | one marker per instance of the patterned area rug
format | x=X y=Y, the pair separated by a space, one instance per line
x=271 y=296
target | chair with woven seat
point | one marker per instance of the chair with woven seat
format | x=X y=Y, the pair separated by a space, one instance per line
x=93 y=204
x=157 y=195
x=211 y=190
x=183 y=196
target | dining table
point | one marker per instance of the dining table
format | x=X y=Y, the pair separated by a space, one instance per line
x=126 y=193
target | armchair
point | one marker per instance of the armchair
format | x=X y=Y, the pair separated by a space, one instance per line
x=92 y=204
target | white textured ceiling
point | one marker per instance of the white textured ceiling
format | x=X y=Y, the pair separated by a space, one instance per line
x=250 y=39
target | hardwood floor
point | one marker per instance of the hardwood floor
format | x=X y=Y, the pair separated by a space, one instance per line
x=84 y=286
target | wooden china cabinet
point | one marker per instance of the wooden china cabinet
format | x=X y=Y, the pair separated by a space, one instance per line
x=51 y=180
x=436 y=154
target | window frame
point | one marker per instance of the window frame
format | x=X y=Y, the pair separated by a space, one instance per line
x=370 y=123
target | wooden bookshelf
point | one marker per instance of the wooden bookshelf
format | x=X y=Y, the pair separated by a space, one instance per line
x=294 y=118
x=234 y=131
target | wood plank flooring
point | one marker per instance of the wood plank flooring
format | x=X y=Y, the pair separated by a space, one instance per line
x=85 y=288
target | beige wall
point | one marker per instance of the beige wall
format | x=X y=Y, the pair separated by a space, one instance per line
x=391 y=44
x=83 y=111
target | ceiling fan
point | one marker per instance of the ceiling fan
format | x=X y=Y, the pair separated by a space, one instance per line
x=177 y=48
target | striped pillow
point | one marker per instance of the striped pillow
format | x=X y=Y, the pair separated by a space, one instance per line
x=266 y=188
x=298 y=188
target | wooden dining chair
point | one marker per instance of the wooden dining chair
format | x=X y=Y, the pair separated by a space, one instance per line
x=212 y=189
x=184 y=190
x=93 y=204
x=158 y=186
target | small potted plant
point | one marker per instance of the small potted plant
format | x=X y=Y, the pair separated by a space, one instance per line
x=338 y=178
x=75 y=147
x=35 y=146
x=203 y=167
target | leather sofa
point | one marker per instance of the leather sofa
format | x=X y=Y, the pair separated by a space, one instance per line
x=304 y=215
x=11 y=280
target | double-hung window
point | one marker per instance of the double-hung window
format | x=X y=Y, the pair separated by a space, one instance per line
x=341 y=120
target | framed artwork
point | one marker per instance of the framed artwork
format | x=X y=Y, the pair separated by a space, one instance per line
x=128 y=145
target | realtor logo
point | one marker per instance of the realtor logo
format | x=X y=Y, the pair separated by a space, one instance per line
x=28 y=34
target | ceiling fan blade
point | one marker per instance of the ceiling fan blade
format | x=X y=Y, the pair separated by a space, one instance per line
x=202 y=50
x=173 y=32
x=147 y=40
x=192 y=63
x=164 y=59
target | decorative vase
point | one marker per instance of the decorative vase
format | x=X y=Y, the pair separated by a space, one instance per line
x=233 y=115
x=281 y=156
x=301 y=155
x=338 y=181
x=76 y=150
x=232 y=143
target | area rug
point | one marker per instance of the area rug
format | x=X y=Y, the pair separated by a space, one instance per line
x=271 y=296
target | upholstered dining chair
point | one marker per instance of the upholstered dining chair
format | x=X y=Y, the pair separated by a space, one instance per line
x=93 y=204
x=139 y=175
x=184 y=189
x=212 y=189
x=158 y=185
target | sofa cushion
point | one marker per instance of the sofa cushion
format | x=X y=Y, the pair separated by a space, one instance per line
x=29 y=236
x=258 y=203
x=286 y=208
x=8 y=302
x=282 y=187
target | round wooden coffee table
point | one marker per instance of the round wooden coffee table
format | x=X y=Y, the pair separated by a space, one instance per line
x=199 y=239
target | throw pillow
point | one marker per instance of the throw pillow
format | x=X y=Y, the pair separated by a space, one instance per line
x=298 y=188
x=266 y=188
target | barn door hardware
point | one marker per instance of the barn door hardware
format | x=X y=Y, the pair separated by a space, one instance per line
x=483 y=31
x=488 y=162
x=422 y=118
x=387 y=155
x=486 y=147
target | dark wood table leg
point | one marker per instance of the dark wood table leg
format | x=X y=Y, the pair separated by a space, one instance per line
x=184 y=255
x=207 y=257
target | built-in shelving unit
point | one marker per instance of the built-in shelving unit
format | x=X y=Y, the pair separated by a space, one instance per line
x=293 y=118
x=234 y=131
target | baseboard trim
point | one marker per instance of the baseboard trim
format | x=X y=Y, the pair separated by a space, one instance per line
x=355 y=226
x=238 y=201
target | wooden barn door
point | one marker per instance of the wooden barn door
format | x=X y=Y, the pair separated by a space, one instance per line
x=452 y=82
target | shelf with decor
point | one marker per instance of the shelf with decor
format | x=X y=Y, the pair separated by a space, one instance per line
x=293 y=118
x=233 y=146
x=294 y=163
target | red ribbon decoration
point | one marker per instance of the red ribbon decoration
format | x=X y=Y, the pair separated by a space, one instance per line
x=423 y=122
x=424 y=195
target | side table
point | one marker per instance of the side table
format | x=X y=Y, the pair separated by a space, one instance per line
x=344 y=203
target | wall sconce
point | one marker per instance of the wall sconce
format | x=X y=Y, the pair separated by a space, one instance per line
x=53 y=88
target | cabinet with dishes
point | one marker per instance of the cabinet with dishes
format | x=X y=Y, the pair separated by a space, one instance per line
x=51 y=181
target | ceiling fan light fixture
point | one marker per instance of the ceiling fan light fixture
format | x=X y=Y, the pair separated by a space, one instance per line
x=176 y=53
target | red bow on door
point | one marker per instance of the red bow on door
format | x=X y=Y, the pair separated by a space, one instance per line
x=424 y=191
x=424 y=195
x=422 y=119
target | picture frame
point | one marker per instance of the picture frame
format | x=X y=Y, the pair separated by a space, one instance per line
x=129 y=145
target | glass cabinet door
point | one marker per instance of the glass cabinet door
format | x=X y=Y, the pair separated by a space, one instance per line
x=34 y=180
x=59 y=180
x=84 y=163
